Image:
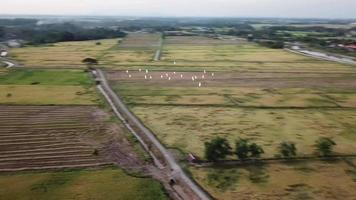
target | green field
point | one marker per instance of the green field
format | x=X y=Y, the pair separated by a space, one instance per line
x=107 y=183
x=51 y=87
x=45 y=77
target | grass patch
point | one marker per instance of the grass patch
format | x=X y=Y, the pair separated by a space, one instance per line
x=46 y=77
x=47 y=95
x=108 y=183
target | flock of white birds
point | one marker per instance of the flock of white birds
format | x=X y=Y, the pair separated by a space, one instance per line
x=169 y=76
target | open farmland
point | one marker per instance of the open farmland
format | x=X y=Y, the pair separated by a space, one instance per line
x=106 y=183
x=135 y=49
x=41 y=137
x=52 y=87
x=264 y=107
x=296 y=180
x=197 y=53
x=267 y=96
x=61 y=55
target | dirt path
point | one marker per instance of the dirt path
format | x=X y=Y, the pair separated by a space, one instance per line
x=184 y=187
x=159 y=50
x=9 y=63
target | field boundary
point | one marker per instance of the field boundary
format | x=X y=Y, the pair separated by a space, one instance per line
x=234 y=162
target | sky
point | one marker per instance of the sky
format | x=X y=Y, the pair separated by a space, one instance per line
x=185 y=8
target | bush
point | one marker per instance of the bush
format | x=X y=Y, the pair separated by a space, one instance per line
x=218 y=148
x=255 y=150
x=287 y=149
x=242 y=149
x=324 y=146
x=90 y=61
x=245 y=150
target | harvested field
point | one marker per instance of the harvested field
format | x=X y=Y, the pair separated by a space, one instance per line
x=198 y=41
x=61 y=55
x=140 y=40
x=188 y=127
x=267 y=108
x=136 y=48
x=329 y=80
x=297 y=180
x=46 y=137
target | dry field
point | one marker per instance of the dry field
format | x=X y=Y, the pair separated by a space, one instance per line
x=61 y=55
x=198 y=53
x=299 y=180
x=46 y=137
x=267 y=108
x=135 y=49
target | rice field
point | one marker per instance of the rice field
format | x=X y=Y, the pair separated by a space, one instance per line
x=108 y=183
x=51 y=87
x=204 y=87
x=61 y=55
x=298 y=180
x=50 y=137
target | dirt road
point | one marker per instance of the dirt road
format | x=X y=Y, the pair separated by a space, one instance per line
x=174 y=170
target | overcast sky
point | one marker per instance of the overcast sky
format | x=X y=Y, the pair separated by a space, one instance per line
x=214 y=8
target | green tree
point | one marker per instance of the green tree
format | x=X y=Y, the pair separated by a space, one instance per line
x=218 y=148
x=324 y=146
x=287 y=149
x=242 y=149
x=255 y=150
x=90 y=61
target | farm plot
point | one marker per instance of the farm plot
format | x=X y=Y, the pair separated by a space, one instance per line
x=106 y=183
x=61 y=55
x=45 y=137
x=264 y=107
x=198 y=53
x=135 y=49
x=297 y=180
x=51 y=87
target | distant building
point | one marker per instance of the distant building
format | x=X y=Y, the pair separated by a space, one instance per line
x=14 y=43
x=3 y=53
x=351 y=47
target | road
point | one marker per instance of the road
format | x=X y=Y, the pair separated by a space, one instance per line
x=323 y=56
x=121 y=110
x=158 y=52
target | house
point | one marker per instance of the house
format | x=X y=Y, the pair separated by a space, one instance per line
x=3 y=53
x=350 y=47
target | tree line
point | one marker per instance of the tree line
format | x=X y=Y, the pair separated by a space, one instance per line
x=51 y=33
x=219 y=148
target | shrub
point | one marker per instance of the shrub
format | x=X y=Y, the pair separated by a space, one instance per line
x=242 y=148
x=287 y=149
x=324 y=146
x=218 y=148
x=90 y=61
x=245 y=150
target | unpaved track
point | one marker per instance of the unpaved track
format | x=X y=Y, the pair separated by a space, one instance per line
x=9 y=63
x=174 y=169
